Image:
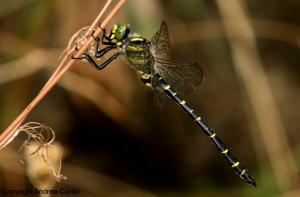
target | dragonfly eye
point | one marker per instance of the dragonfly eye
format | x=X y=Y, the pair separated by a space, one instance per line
x=121 y=32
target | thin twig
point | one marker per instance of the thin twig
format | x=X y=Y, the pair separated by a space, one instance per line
x=66 y=62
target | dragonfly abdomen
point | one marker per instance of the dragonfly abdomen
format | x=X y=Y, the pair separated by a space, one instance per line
x=229 y=156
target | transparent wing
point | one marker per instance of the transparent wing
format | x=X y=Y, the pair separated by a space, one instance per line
x=160 y=40
x=182 y=76
x=159 y=98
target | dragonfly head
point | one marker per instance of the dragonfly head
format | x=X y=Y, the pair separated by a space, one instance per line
x=120 y=32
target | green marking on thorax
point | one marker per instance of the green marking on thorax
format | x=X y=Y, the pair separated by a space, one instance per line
x=134 y=49
x=137 y=61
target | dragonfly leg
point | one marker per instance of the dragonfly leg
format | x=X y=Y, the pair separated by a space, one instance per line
x=90 y=59
x=100 y=52
x=109 y=60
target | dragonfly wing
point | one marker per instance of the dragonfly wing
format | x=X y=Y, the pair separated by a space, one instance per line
x=161 y=41
x=183 y=77
x=160 y=99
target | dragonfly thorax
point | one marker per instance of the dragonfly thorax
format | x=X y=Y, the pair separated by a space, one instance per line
x=137 y=52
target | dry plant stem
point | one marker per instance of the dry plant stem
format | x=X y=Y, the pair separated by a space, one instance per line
x=40 y=139
x=98 y=19
x=59 y=71
x=250 y=70
x=8 y=135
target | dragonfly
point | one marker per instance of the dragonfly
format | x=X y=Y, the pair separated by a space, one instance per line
x=153 y=62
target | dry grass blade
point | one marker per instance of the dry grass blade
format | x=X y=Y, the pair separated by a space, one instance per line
x=40 y=138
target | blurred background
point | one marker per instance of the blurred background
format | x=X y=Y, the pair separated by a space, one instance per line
x=112 y=139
